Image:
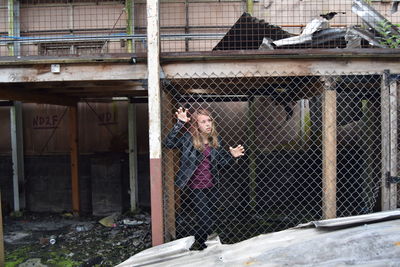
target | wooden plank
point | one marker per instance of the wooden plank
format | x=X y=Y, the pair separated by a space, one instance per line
x=73 y=72
x=153 y=53
x=133 y=171
x=329 y=142
x=385 y=131
x=170 y=162
x=74 y=155
x=393 y=143
x=17 y=156
x=37 y=97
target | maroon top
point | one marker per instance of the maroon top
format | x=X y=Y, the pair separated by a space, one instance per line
x=202 y=177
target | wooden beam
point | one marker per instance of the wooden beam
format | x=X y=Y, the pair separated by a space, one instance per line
x=153 y=53
x=22 y=96
x=74 y=155
x=73 y=72
x=277 y=67
x=329 y=143
x=17 y=144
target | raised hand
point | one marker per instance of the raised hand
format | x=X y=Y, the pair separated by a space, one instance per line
x=237 y=151
x=182 y=115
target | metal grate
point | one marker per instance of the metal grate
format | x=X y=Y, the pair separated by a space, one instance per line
x=289 y=172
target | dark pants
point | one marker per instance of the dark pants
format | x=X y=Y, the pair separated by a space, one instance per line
x=203 y=204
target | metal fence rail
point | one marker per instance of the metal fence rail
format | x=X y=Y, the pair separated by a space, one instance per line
x=92 y=27
x=313 y=150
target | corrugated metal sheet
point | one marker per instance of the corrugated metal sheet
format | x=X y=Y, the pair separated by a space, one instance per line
x=374 y=242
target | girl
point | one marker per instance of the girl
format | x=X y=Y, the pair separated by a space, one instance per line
x=202 y=155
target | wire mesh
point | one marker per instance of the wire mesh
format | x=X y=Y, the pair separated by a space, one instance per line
x=291 y=172
x=62 y=28
x=65 y=28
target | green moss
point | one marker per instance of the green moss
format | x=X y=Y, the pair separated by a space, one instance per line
x=58 y=258
x=17 y=256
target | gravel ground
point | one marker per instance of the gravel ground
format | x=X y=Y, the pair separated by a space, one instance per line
x=64 y=240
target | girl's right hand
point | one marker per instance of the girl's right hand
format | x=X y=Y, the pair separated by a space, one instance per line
x=182 y=115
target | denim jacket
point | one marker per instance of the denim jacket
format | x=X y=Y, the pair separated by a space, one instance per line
x=191 y=157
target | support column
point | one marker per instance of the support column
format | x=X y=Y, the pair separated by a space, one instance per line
x=17 y=155
x=153 y=63
x=329 y=143
x=133 y=184
x=74 y=155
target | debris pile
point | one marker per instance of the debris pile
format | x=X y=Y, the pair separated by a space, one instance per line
x=64 y=240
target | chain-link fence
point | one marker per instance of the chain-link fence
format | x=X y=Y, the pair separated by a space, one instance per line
x=92 y=27
x=312 y=151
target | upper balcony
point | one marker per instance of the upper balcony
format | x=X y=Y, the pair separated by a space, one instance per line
x=113 y=28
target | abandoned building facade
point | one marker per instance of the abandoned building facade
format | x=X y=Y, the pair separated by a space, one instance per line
x=310 y=88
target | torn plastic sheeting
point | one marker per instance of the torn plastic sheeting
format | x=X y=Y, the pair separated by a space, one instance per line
x=375 y=244
x=319 y=37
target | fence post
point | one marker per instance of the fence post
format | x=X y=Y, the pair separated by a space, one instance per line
x=74 y=156
x=329 y=150
x=153 y=65
x=389 y=141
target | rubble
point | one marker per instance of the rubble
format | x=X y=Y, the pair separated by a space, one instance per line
x=78 y=241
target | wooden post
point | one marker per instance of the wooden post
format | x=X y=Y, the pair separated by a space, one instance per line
x=11 y=26
x=393 y=143
x=329 y=150
x=252 y=151
x=153 y=64
x=130 y=25
x=132 y=156
x=250 y=6
x=170 y=166
x=17 y=155
x=389 y=141
x=74 y=155
x=385 y=128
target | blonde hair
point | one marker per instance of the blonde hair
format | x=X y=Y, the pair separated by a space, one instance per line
x=194 y=130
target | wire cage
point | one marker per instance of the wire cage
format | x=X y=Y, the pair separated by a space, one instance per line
x=291 y=171
x=92 y=27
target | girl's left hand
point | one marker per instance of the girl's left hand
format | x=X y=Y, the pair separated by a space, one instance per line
x=237 y=151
